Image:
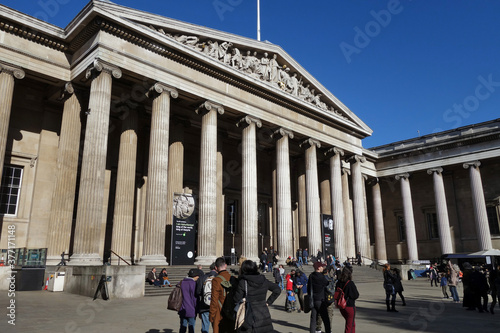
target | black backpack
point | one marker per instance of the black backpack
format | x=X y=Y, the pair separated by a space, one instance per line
x=330 y=291
x=227 y=309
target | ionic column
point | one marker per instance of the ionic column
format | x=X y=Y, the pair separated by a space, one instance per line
x=350 y=245
x=156 y=192
x=312 y=193
x=7 y=75
x=442 y=211
x=411 y=235
x=378 y=222
x=123 y=218
x=175 y=164
x=63 y=199
x=90 y=211
x=301 y=180
x=337 y=202
x=207 y=225
x=250 y=226
x=479 y=204
x=283 y=195
x=359 y=206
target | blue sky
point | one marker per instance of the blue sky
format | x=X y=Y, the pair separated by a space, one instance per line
x=403 y=67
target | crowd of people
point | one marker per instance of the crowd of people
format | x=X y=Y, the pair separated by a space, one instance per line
x=305 y=293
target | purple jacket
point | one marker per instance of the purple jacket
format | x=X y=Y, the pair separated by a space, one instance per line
x=188 y=308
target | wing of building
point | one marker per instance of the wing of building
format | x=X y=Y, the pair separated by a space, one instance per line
x=116 y=126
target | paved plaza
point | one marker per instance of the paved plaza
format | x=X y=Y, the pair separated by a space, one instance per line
x=427 y=311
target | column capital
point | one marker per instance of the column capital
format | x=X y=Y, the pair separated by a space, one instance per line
x=159 y=88
x=356 y=158
x=405 y=175
x=373 y=181
x=475 y=164
x=439 y=170
x=247 y=120
x=15 y=71
x=334 y=151
x=208 y=106
x=102 y=66
x=345 y=170
x=281 y=132
x=309 y=143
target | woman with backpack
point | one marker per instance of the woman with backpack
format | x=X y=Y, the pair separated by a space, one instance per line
x=390 y=290
x=253 y=287
x=351 y=294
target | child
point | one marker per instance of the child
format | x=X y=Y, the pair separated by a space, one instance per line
x=291 y=300
x=444 y=284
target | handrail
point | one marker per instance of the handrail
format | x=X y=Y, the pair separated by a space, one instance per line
x=125 y=261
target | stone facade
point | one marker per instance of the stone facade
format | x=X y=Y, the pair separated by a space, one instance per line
x=108 y=119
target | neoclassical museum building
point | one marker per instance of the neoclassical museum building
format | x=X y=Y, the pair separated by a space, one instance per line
x=116 y=124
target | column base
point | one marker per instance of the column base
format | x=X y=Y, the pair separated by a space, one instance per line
x=153 y=260
x=205 y=260
x=54 y=260
x=89 y=259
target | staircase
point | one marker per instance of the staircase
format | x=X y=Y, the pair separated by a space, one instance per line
x=178 y=273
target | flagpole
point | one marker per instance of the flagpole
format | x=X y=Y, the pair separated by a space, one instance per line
x=258 y=20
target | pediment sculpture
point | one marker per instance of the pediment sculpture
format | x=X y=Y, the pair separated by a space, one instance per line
x=265 y=68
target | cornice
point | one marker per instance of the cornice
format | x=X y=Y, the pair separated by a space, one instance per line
x=32 y=35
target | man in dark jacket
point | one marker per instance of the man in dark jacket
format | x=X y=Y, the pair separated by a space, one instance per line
x=305 y=255
x=204 y=308
x=316 y=287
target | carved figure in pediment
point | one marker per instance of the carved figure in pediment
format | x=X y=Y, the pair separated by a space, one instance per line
x=293 y=85
x=262 y=68
x=246 y=62
x=304 y=92
x=284 y=78
x=223 y=54
x=273 y=69
x=187 y=40
x=213 y=49
x=316 y=100
x=236 y=58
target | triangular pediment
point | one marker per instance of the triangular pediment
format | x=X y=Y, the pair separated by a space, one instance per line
x=261 y=63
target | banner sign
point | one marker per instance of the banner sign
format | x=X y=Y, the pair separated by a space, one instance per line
x=183 y=231
x=327 y=234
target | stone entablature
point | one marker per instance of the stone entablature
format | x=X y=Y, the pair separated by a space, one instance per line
x=485 y=131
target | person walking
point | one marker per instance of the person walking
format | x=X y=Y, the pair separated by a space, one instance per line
x=254 y=287
x=444 y=283
x=203 y=308
x=453 y=281
x=299 y=257
x=305 y=255
x=398 y=285
x=351 y=294
x=220 y=323
x=433 y=275
x=301 y=284
x=187 y=312
x=316 y=287
x=494 y=280
x=390 y=290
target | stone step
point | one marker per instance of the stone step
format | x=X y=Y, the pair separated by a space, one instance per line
x=361 y=274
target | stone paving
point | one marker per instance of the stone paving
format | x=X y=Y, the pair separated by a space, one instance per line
x=427 y=311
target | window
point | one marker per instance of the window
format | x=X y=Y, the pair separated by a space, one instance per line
x=232 y=217
x=432 y=225
x=492 y=213
x=401 y=228
x=10 y=189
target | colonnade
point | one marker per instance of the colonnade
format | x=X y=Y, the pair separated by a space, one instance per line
x=351 y=233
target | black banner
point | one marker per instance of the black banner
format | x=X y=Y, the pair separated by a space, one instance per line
x=327 y=234
x=183 y=241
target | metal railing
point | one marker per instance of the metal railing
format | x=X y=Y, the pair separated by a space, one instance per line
x=125 y=261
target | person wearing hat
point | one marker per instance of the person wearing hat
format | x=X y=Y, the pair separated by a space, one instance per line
x=316 y=287
x=187 y=312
